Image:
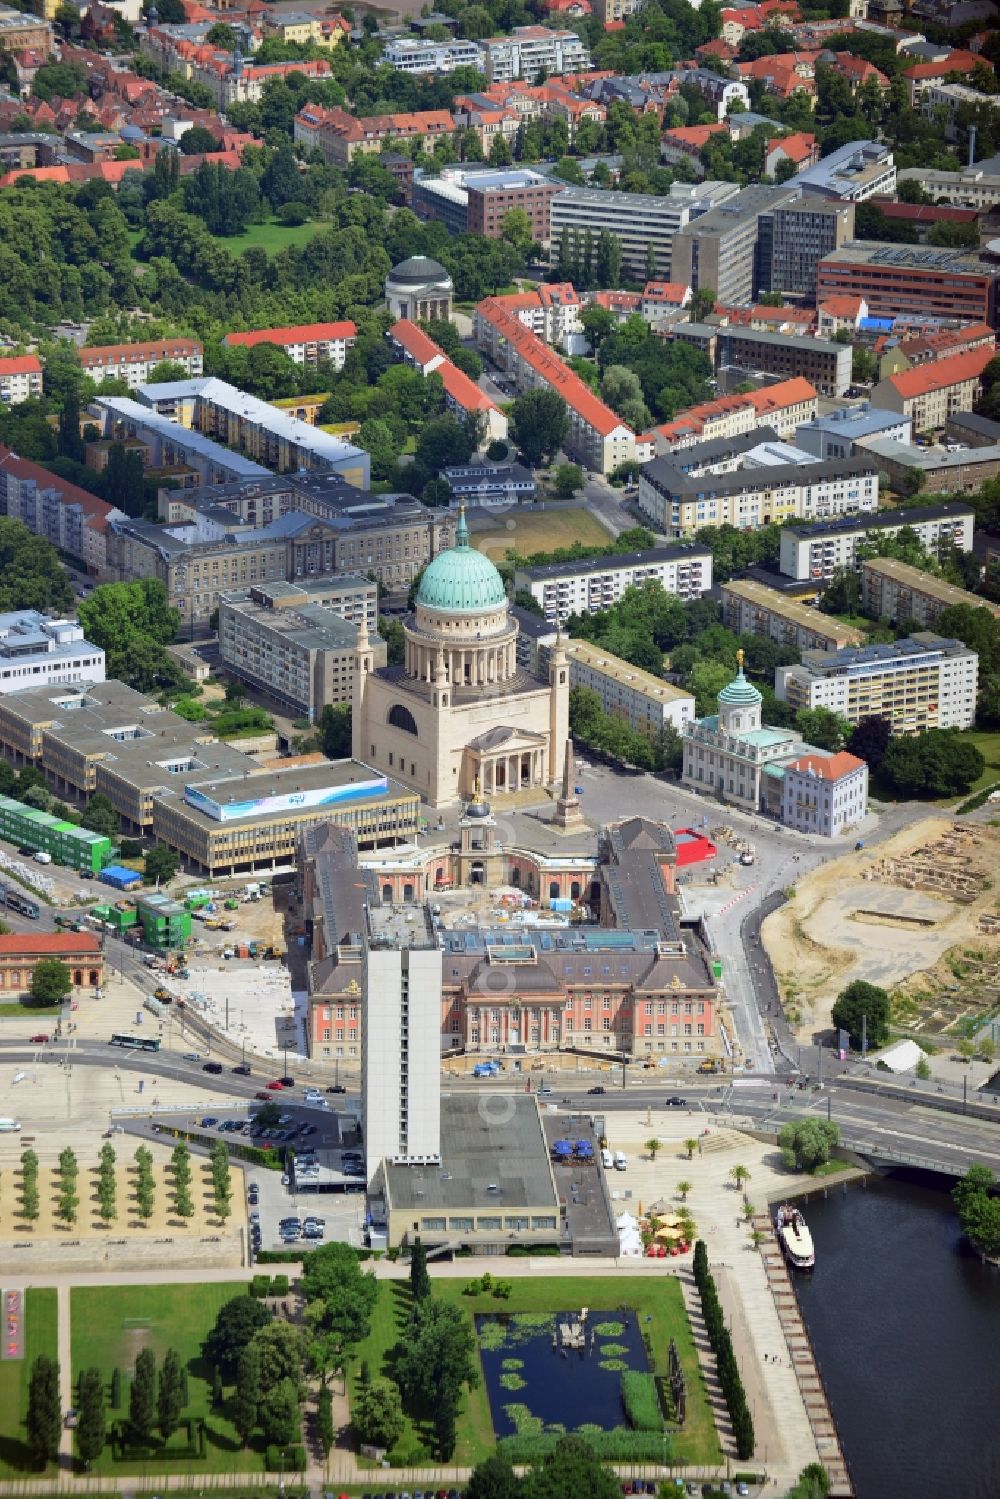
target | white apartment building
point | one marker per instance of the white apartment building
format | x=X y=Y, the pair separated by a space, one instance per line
x=922 y=682
x=824 y=794
x=565 y=588
x=822 y=550
x=894 y=590
x=944 y=100
x=134 y=363
x=401 y=1045
x=409 y=55
x=679 y=504
x=20 y=379
x=306 y=344
x=531 y=49
x=646 y=703
x=36 y=651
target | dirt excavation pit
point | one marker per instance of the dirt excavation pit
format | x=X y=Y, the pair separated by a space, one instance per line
x=927 y=890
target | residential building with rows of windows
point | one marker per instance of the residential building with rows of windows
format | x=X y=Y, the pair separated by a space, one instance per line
x=820 y=551
x=679 y=504
x=891 y=589
x=307 y=344
x=824 y=794
x=923 y=682
x=135 y=362
x=20 y=379
x=565 y=588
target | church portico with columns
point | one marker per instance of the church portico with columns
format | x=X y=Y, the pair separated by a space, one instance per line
x=460 y=712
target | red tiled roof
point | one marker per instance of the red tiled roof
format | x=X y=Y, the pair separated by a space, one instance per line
x=785 y=393
x=418 y=344
x=957 y=62
x=935 y=376
x=96 y=511
x=29 y=943
x=844 y=306
x=21 y=364
x=797 y=147
x=674 y=292
x=828 y=767
x=693 y=135
x=553 y=371
x=464 y=391
x=302 y=334
x=162 y=348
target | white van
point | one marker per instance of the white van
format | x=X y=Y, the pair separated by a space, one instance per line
x=10 y=1126
x=621 y=1160
x=41 y=857
x=607 y=1160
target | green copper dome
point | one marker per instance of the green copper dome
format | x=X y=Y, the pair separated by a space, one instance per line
x=461 y=580
x=739 y=693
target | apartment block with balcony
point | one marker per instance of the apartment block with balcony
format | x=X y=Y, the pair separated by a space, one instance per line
x=922 y=682
x=20 y=379
x=894 y=590
x=819 y=551
x=565 y=588
x=750 y=608
x=680 y=504
x=530 y=50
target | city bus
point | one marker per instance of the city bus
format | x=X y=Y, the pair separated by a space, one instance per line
x=135 y=1043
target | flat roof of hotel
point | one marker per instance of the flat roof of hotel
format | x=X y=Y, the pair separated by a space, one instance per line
x=490 y=1159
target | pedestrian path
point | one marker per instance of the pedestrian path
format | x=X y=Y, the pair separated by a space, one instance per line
x=64 y=1354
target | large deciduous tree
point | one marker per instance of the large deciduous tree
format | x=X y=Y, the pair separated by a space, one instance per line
x=863 y=1006
x=539 y=424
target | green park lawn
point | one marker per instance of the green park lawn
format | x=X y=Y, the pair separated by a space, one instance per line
x=655 y=1297
x=111 y=1326
x=988 y=745
x=273 y=237
x=40 y=1337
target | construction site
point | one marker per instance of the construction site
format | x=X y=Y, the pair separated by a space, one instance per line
x=929 y=891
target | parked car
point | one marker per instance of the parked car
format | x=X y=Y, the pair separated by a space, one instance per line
x=243 y=1070
x=211 y=1067
x=209 y=1122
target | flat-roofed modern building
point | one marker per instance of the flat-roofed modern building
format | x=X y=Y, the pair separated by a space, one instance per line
x=817 y=552
x=853 y=173
x=725 y=248
x=493 y=1185
x=530 y=50
x=895 y=590
x=750 y=608
x=565 y=588
x=922 y=682
x=244 y=822
x=679 y=504
x=822 y=361
x=836 y=434
x=641 y=222
x=36 y=651
x=294 y=643
x=934 y=469
x=897 y=279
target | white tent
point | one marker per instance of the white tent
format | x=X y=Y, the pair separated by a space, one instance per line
x=902 y=1056
x=629 y=1238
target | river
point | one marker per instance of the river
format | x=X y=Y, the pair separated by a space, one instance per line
x=905 y=1324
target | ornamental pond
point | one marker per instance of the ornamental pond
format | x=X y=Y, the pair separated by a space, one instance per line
x=552 y=1371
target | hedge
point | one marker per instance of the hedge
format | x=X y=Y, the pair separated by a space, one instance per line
x=285 y=1460
x=641 y=1401
x=618 y=1446
x=722 y=1346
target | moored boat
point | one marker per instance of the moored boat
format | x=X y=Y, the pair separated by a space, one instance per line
x=794 y=1238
